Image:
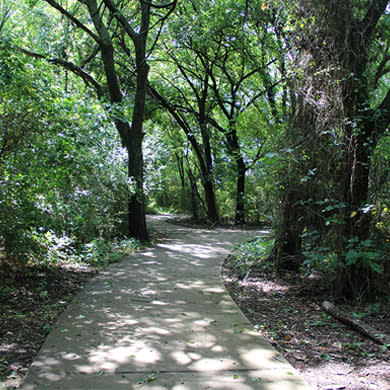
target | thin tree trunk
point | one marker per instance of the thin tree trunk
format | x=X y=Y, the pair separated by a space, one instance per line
x=207 y=177
x=240 y=194
x=353 y=281
x=235 y=151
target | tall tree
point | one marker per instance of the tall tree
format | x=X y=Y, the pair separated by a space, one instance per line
x=366 y=119
x=223 y=69
x=187 y=96
x=116 y=25
x=343 y=52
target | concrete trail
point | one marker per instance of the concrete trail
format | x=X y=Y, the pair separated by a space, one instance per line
x=161 y=319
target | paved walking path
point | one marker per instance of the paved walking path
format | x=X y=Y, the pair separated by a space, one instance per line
x=161 y=319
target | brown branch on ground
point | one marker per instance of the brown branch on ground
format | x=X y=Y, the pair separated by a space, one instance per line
x=356 y=324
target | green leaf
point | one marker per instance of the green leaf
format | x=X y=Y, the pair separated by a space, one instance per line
x=326 y=357
x=151 y=378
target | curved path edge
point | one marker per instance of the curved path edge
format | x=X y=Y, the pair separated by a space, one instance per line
x=161 y=319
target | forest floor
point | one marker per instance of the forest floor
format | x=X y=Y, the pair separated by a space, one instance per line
x=328 y=354
x=29 y=306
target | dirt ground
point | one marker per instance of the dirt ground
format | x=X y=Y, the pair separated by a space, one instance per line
x=29 y=306
x=328 y=354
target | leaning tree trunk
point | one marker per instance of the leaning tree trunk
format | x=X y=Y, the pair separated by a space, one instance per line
x=204 y=156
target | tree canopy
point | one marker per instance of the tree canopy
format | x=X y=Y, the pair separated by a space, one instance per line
x=272 y=113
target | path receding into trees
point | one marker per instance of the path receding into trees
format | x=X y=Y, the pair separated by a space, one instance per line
x=161 y=319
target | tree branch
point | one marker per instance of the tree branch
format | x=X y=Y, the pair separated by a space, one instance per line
x=107 y=48
x=91 y=56
x=6 y=13
x=87 y=78
x=382 y=68
x=167 y=5
x=370 y=20
x=382 y=115
x=121 y=19
x=162 y=21
x=183 y=124
x=63 y=11
x=356 y=324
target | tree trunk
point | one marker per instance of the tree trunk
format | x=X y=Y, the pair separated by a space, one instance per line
x=354 y=56
x=235 y=150
x=212 y=213
x=288 y=241
x=207 y=175
x=240 y=195
x=136 y=204
x=204 y=156
x=136 y=212
x=131 y=136
x=195 y=197
x=353 y=280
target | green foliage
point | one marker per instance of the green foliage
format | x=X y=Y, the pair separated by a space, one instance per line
x=364 y=254
x=62 y=172
x=252 y=254
x=101 y=252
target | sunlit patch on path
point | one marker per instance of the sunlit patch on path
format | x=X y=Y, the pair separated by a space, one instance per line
x=161 y=319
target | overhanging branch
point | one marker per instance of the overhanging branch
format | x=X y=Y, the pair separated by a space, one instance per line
x=66 y=13
x=87 y=78
x=121 y=19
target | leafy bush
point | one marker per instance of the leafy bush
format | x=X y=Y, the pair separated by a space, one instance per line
x=253 y=253
x=63 y=181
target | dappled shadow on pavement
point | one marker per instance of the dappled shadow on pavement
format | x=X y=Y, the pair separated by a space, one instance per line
x=161 y=319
